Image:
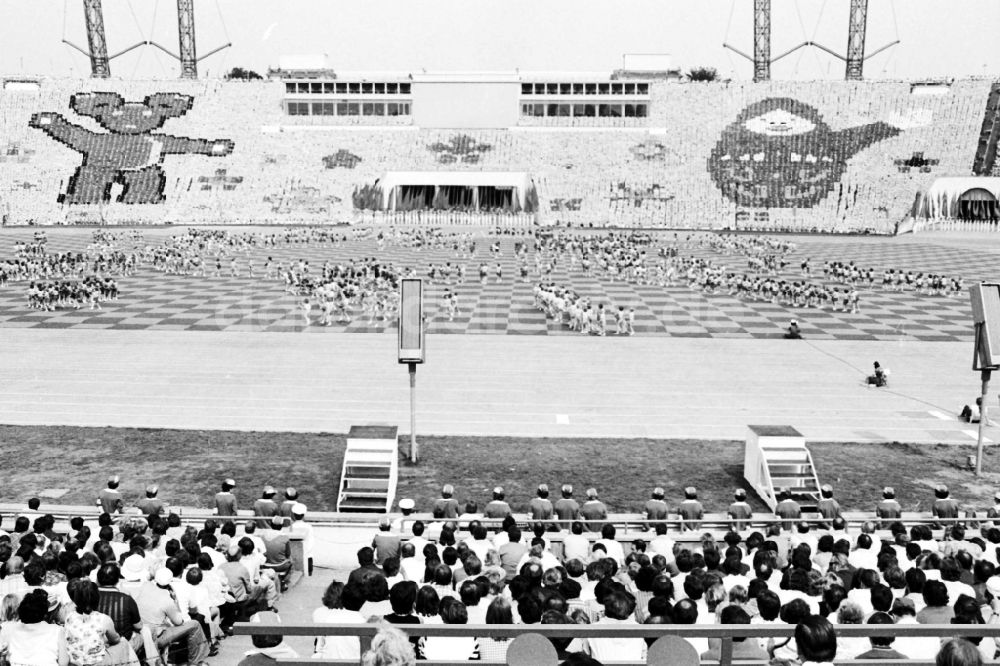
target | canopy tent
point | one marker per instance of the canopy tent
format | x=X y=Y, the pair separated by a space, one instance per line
x=967 y=198
x=487 y=190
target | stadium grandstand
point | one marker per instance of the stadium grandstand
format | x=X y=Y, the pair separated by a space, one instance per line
x=662 y=257
x=836 y=157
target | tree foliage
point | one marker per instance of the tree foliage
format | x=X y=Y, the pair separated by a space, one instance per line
x=240 y=74
x=702 y=74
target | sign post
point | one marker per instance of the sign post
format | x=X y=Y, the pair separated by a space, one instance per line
x=985 y=299
x=411 y=344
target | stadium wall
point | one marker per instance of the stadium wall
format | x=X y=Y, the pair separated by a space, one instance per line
x=855 y=163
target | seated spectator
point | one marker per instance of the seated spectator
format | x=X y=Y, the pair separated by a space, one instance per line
x=389 y=647
x=32 y=639
x=457 y=648
x=375 y=590
x=340 y=606
x=366 y=563
x=851 y=613
x=742 y=647
x=402 y=597
x=967 y=611
x=386 y=543
x=619 y=606
x=816 y=640
x=936 y=610
x=268 y=648
x=881 y=645
x=971 y=414
x=793 y=332
x=158 y=609
x=880 y=377
x=923 y=648
x=495 y=649
x=91 y=635
x=278 y=550
x=427 y=605
x=958 y=652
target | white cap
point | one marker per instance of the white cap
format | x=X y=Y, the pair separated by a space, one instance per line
x=163 y=576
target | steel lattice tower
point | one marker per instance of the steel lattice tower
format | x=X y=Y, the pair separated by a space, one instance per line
x=185 y=32
x=761 y=40
x=857 y=26
x=100 y=67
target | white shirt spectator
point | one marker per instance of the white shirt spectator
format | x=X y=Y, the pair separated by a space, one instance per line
x=615 y=550
x=576 y=546
x=612 y=649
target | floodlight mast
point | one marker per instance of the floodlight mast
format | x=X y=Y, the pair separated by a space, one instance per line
x=97 y=51
x=855 y=59
x=856 y=28
x=762 y=40
x=185 y=34
x=99 y=65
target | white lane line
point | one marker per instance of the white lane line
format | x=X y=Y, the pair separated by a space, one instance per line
x=939 y=415
x=974 y=434
x=562 y=419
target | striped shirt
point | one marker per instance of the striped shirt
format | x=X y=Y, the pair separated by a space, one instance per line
x=121 y=608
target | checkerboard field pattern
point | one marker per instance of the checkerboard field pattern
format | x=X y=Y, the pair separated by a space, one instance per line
x=152 y=300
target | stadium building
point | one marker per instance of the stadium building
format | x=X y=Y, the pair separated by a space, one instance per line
x=626 y=148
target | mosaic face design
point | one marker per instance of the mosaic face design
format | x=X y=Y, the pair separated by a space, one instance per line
x=779 y=153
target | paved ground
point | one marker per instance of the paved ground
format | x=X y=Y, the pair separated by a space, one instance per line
x=151 y=300
x=503 y=385
x=221 y=353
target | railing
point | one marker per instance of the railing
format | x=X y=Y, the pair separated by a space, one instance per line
x=725 y=633
x=675 y=523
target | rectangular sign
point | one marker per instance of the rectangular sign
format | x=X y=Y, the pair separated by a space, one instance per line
x=411 y=320
x=985 y=299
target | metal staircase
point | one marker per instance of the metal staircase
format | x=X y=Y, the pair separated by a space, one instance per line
x=370 y=471
x=776 y=457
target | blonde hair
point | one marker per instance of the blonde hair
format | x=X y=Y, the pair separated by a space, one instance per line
x=8 y=608
x=390 y=647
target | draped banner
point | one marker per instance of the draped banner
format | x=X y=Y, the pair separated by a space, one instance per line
x=971 y=198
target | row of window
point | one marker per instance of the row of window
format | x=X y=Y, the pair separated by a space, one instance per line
x=585 y=88
x=585 y=110
x=342 y=108
x=346 y=88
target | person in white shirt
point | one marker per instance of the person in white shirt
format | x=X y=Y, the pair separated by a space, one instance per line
x=768 y=607
x=575 y=544
x=685 y=611
x=410 y=567
x=661 y=544
x=209 y=544
x=468 y=594
x=538 y=554
x=340 y=606
x=418 y=539
x=611 y=545
x=478 y=543
x=300 y=528
x=864 y=556
x=619 y=606
x=851 y=613
x=950 y=576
